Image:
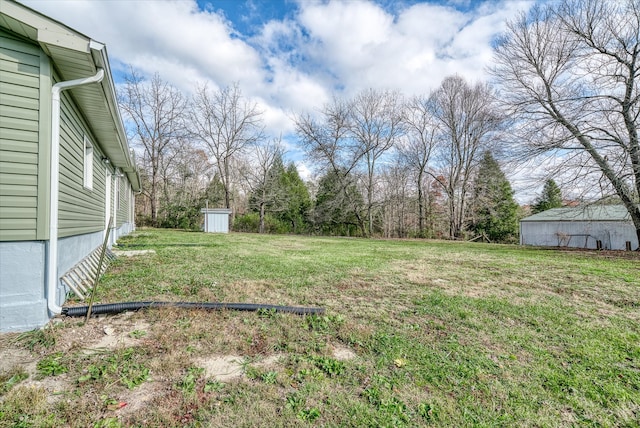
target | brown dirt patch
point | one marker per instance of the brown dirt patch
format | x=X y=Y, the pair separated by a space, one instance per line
x=102 y=333
x=55 y=386
x=11 y=358
x=223 y=368
x=228 y=367
x=343 y=353
x=136 y=400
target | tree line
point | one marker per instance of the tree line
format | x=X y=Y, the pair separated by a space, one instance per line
x=386 y=166
x=565 y=87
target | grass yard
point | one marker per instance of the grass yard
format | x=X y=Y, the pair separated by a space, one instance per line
x=416 y=333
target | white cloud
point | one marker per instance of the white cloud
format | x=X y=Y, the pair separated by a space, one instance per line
x=297 y=63
x=346 y=34
x=358 y=44
x=303 y=171
x=163 y=36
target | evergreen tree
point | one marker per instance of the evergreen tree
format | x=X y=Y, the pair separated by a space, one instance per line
x=551 y=197
x=268 y=195
x=495 y=212
x=338 y=206
x=282 y=199
x=214 y=193
x=297 y=202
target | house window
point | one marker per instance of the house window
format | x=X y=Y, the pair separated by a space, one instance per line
x=88 y=164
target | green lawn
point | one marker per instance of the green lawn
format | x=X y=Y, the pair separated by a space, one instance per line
x=416 y=333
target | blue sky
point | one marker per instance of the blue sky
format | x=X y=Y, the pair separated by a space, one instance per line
x=293 y=55
x=248 y=16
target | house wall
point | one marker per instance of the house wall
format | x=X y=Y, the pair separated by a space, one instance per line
x=26 y=77
x=122 y=203
x=127 y=212
x=24 y=106
x=81 y=210
x=123 y=206
x=126 y=220
x=613 y=234
x=24 y=121
x=22 y=277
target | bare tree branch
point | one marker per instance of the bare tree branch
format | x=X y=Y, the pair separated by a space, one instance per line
x=156 y=110
x=570 y=74
x=227 y=125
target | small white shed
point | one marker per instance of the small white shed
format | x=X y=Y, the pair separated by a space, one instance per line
x=216 y=220
x=581 y=227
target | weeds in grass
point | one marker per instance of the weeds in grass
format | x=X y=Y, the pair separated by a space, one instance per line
x=11 y=378
x=309 y=415
x=427 y=412
x=213 y=386
x=119 y=367
x=137 y=334
x=323 y=323
x=27 y=407
x=108 y=423
x=189 y=381
x=329 y=366
x=44 y=338
x=270 y=377
x=256 y=373
x=313 y=373
x=52 y=365
x=295 y=401
x=266 y=312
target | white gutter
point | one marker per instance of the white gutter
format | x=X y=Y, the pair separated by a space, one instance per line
x=52 y=254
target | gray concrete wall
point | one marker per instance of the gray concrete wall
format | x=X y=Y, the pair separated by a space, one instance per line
x=23 y=305
x=71 y=251
x=613 y=234
x=125 y=229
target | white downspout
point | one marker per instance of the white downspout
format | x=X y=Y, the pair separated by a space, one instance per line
x=52 y=254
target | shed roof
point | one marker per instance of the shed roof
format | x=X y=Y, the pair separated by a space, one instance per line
x=76 y=56
x=215 y=210
x=584 y=213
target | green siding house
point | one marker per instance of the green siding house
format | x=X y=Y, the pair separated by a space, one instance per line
x=65 y=165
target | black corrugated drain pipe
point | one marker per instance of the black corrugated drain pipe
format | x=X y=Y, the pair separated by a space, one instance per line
x=116 y=308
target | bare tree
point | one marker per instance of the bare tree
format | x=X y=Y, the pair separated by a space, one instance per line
x=570 y=73
x=398 y=214
x=465 y=119
x=416 y=148
x=228 y=125
x=327 y=140
x=376 y=124
x=190 y=175
x=261 y=177
x=329 y=143
x=156 y=110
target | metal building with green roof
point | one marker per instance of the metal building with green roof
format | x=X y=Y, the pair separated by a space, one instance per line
x=580 y=227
